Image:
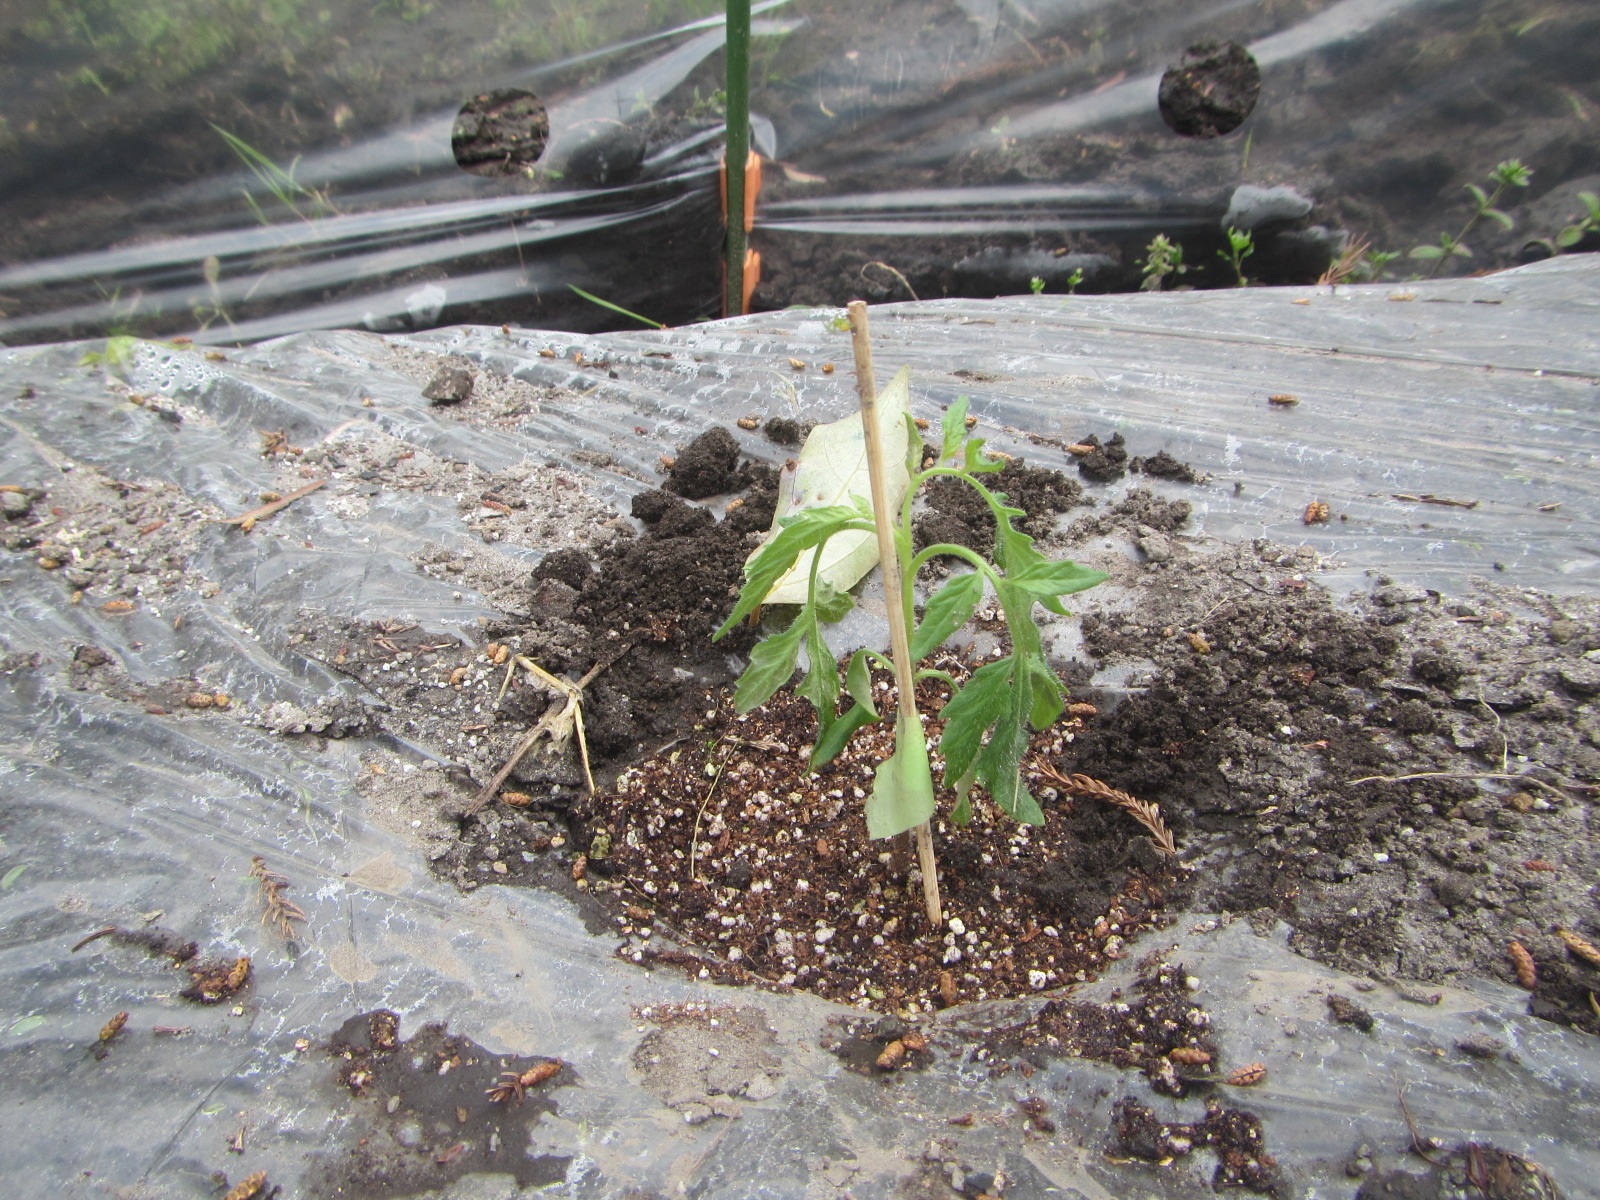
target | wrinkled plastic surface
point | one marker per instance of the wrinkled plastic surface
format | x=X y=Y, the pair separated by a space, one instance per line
x=1484 y=389
x=973 y=145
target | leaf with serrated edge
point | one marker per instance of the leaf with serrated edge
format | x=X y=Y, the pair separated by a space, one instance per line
x=948 y=610
x=820 y=684
x=772 y=663
x=969 y=714
x=976 y=463
x=1047 y=698
x=954 y=428
x=799 y=533
x=902 y=790
x=1000 y=765
x=832 y=605
x=831 y=469
x=1045 y=578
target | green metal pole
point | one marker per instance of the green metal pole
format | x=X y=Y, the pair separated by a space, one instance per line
x=738 y=78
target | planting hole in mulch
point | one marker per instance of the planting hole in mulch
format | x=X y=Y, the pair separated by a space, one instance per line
x=1405 y=779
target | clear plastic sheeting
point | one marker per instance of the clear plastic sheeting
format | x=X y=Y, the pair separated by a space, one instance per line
x=966 y=144
x=115 y=812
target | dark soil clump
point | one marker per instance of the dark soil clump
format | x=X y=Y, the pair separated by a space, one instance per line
x=957 y=514
x=1233 y=1134
x=1164 y=466
x=1104 y=463
x=707 y=466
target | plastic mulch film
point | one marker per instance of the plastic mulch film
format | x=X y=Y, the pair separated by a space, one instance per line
x=197 y=171
x=126 y=806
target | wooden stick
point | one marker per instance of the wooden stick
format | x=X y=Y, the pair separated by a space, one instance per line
x=889 y=562
x=247 y=520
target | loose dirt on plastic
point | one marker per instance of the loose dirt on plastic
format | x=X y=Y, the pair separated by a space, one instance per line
x=1405 y=778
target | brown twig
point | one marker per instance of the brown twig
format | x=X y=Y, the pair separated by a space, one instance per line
x=1146 y=812
x=1432 y=499
x=1419 y=1144
x=98 y=933
x=247 y=521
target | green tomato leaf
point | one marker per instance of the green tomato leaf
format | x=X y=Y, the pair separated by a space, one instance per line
x=948 y=610
x=858 y=680
x=913 y=447
x=831 y=470
x=975 y=462
x=954 y=428
x=969 y=714
x=831 y=604
x=1044 y=578
x=902 y=791
x=1000 y=765
x=11 y=877
x=838 y=734
x=961 y=816
x=1047 y=698
x=772 y=663
x=820 y=683
x=800 y=532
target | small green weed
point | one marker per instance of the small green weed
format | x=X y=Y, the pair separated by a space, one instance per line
x=284 y=187
x=1036 y=284
x=1241 y=245
x=1163 y=260
x=1590 y=223
x=616 y=308
x=1508 y=174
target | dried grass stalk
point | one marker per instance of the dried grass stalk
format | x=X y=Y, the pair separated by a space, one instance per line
x=281 y=911
x=1145 y=812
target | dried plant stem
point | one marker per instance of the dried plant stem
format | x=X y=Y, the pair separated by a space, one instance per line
x=1526 y=779
x=904 y=282
x=889 y=562
x=1146 y=812
x=557 y=724
x=281 y=911
x=247 y=521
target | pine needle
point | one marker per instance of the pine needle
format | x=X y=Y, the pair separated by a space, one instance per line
x=1145 y=812
x=280 y=910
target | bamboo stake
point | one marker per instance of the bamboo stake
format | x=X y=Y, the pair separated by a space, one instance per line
x=889 y=563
